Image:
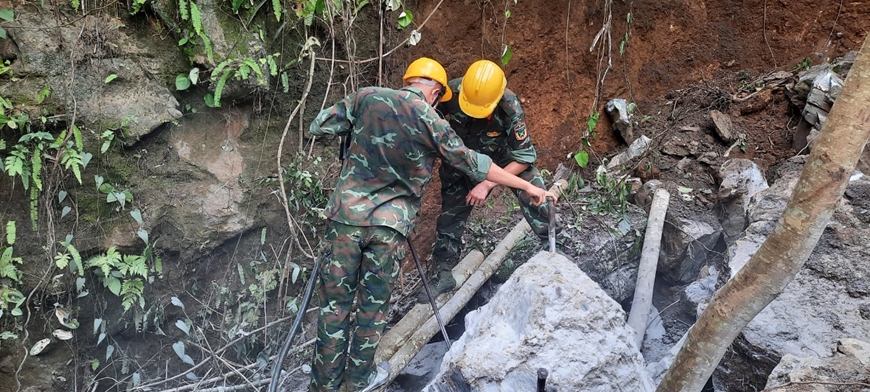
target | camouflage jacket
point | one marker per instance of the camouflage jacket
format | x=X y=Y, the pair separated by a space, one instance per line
x=395 y=137
x=502 y=136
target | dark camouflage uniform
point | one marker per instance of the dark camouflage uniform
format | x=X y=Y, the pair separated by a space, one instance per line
x=503 y=137
x=395 y=137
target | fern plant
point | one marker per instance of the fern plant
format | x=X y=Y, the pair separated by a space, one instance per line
x=239 y=69
x=25 y=158
x=122 y=274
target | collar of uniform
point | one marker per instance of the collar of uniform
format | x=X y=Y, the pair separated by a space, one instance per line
x=415 y=91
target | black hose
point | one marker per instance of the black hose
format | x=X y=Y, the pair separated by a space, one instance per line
x=276 y=370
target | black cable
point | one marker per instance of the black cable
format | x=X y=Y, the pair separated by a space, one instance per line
x=276 y=370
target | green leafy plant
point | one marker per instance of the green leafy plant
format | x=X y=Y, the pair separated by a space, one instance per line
x=107 y=137
x=122 y=275
x=306 y=192
x=239 y=69
x=614 y=196
x=507 y=52
x=624 y=43
x=25 y=159
x=191 y=17
x=137 y=6
x=7 y=15
x=10 y=298
x=582 y=158
x=113 y=195
x=506 y=55
x=184 y=81
x=803 y=65
x=405 y=19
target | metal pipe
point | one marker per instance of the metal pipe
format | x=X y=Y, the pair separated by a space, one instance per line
x=551 y=229
x=429 y=293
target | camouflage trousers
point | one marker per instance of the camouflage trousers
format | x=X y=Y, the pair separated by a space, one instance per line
x=455 y=186
x=361 y=263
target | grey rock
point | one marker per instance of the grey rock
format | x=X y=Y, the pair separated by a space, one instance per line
x=722 y=125
x=849 y=363
x=620 y=117
x=609 y=252
x=699 y=293
x=823 y=302
x=741 y=179
x=637 y=148
x=549 y=315
x=133 y=103
x=687 y=244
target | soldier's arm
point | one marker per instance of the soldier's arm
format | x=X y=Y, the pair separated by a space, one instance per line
x=520 y=149
x=519 y=143
x=335 y=120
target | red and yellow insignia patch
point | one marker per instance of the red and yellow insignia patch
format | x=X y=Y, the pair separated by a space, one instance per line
x=493 y=133
x=520 y=131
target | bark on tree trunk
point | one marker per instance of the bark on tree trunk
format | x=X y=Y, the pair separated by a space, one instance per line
x=821 y=185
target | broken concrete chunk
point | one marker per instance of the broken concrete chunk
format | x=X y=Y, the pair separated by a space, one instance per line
x=741 y=179
x=618 y=110
x=636 y=149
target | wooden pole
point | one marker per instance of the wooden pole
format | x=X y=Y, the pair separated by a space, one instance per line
x=649 y=258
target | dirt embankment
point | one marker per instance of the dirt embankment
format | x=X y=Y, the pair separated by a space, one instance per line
x=719 y=46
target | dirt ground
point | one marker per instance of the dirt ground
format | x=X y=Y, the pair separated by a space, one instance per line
x=681 y=60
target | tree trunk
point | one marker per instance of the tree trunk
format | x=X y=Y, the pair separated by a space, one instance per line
x=821 y=185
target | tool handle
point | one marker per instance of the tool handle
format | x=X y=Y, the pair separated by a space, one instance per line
x=542 y=379
x=344 y=142
x=551 y=229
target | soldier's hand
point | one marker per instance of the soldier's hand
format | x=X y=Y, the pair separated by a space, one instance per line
x=539 y=196
x=478 y=194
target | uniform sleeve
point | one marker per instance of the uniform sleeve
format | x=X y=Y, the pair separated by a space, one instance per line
x=519 y=144
x=454 y=152
x=335 y=120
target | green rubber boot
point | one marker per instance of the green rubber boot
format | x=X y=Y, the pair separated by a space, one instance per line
x=443 y=283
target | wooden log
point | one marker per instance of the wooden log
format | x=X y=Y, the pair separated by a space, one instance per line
x=407 y=351
x=649 y=258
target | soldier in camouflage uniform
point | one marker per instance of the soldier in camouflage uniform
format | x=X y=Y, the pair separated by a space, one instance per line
x=489 y=119
x=395 y=136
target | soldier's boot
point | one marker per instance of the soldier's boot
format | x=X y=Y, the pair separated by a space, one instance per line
x=442 y=283
x=379 y=377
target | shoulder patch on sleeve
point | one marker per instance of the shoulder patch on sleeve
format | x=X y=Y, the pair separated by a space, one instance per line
x=520 y=131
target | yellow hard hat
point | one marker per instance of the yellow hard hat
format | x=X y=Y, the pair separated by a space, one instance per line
x=425 y=67
x=482 y=88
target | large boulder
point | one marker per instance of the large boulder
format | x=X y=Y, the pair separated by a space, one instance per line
x=96 y=71
x=824 y=301
x=549 y=315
